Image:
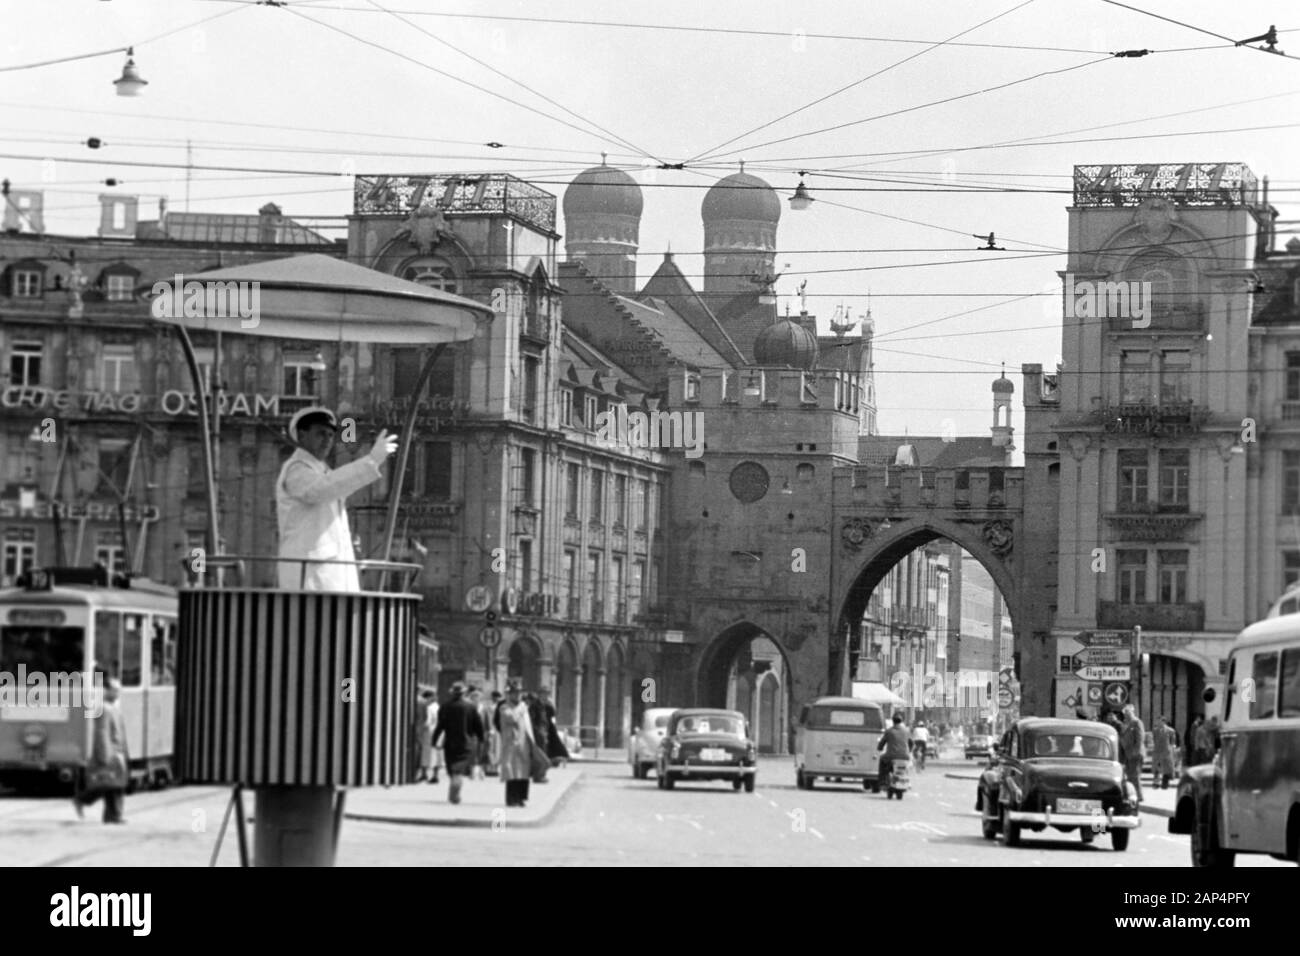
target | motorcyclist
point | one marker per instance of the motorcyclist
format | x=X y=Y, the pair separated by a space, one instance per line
x=894 y=743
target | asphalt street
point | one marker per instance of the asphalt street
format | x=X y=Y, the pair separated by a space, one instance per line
x=610 y=818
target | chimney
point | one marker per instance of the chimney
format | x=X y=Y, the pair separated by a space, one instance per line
x=117 y=215
x=24 y=211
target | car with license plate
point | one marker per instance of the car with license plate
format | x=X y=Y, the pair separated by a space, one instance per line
x=1062 y=774
x=835 y=739
x=977 y=746
x=707 y=744
x=643 y=744
x=1248 y=799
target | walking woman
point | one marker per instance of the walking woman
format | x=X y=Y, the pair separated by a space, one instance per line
x=516 y=730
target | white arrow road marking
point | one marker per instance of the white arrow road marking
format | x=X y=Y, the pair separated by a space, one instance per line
x=1166 y=837
x=919 y=827
x=773 y=802
x=659 y=817
x=815 y=832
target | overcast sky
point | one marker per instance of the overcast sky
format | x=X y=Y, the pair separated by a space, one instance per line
x=293 y=93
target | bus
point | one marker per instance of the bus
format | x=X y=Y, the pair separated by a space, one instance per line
x=64 y=629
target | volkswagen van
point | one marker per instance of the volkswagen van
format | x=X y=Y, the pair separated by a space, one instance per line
x=1248 y=799
x=836 y=739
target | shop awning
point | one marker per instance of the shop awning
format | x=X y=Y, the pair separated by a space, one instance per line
x=875 y=692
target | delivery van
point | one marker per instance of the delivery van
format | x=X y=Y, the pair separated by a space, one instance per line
x=836 y=739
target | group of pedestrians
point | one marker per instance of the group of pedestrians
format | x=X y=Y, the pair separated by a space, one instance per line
x=514 y=737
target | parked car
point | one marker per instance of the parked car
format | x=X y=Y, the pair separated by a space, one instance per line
x=1063 y=774
x=643 y=744
x=1248 y=799
x=977 y=746
x=707 y=744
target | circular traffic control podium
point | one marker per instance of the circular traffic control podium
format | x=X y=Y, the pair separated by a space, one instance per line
x=296 y=695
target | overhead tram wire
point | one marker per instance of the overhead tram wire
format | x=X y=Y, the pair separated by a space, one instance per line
x=822 y=99
x=450 y=76
x=920 y=106
x=1181 y=23
x=614 y=136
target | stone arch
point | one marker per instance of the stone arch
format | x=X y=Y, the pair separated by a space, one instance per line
x=524 y=660
x=617 y=706
x=399 y=251
x=593 y=668
x=566 y=683
x=716 y=668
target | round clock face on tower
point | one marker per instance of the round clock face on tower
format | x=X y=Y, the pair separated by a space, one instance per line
x=749 y=482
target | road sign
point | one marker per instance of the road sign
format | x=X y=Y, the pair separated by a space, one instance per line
x=1104 y=672
x=490 y=636
x=1100 y=655
x=1106 y=638
x=478 y=598
x=1094 y=694
x=1116 y=694
x=1004 y=676
x=1005 y=697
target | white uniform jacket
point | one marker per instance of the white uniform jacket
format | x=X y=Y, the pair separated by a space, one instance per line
x=309 y=503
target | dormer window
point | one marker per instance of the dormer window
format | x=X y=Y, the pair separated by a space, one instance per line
x=591 y=408
x=566 y=407
x=692 y=387
x=28 y=284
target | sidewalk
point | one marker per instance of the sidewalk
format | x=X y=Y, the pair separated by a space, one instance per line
x=1157 y=802
x=482 y=802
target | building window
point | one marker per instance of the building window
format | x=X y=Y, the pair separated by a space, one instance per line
x=597 y=497
x=619 y=504
x=1175 y=469
x=437 y=470
x=120 y=372
x=19 y=553
x=525 y=580
x=590 y=409
x=692 y=387
x=119 y=288
x=435 y=273
x=301 y=383
x=1132 y=576
x=569 y=581
x=25 y=363
x=527 y=476
x=1290 y=569
x=1172 y=566
x=804 y=473
x=566 y=407
x=1133 y=470
x=636 y=590
x=1135 y=374
x=572 y=478
x=27 y=284
x=528 y=401
x=1293 y=374
x=407 y=365
x=1175 y=377
x=114 y=467
x=594 y=583
x=110 y=552
x=640 y=509
x=1291 y=482
x=616 y=588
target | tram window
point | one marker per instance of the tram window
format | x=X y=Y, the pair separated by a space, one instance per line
x=1265 y=690
x=162 y=653
x=1288 y=704
x=108 y=643
x=50 y=650
x=132 y=650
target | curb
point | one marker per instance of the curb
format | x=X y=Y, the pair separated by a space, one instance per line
x=543 y=820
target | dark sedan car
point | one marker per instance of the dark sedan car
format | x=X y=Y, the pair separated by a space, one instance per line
x=1063 y=774
x=706 y=744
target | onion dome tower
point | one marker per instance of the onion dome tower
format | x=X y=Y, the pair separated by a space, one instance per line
x=740 y=215
x=1003 y=389
x=602 y=220
x=786 y=344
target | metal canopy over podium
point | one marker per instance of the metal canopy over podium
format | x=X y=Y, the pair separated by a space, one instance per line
x=298 y=693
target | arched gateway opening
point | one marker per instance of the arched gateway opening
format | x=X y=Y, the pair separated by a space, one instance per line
x=745 y=669
x=928 y=614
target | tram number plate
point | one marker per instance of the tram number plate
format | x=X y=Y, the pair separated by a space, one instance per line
x=1077 y=806
x=713 y=754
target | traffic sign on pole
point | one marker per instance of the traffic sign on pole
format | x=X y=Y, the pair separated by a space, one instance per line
x=490 y=636
x=1104 y=672
x=1005 y=697
x=1116 y=695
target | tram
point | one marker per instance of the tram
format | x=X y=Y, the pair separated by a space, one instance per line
x=58 y=629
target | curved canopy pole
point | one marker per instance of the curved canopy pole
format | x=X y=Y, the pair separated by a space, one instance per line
x=205 y=427
x=404 y=449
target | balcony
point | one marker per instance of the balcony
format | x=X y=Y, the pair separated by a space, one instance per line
x=1111 y=615
x=1152 y=526
x=1163 y=319
x=598 y=612
x=534 y=328
x=1165 y=418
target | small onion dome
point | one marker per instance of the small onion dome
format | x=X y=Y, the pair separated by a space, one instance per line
x=741 y=196
x=786 y=343
x=603 y=190
x=1003 y=385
